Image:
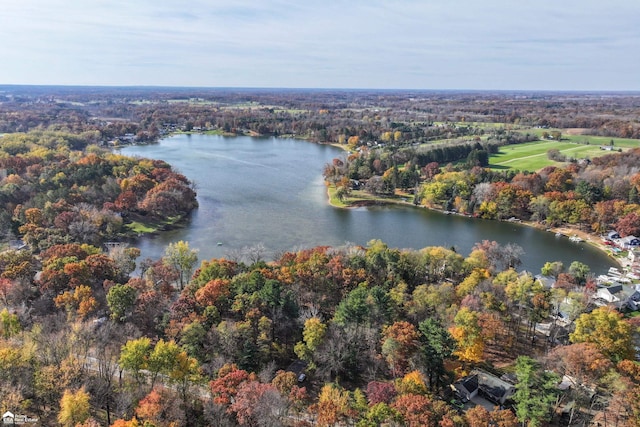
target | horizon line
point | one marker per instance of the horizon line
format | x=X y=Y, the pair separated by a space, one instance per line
x=326 y=89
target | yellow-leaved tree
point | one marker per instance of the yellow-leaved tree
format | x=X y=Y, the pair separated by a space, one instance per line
x=468 y=335
x=74 y=408
x=333 y=405
x=412 y=383
x=312 y=336
x=608 y=331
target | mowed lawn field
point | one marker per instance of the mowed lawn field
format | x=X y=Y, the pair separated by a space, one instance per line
x=532 y=156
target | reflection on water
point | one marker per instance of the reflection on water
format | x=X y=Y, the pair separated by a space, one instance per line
x=270 y=191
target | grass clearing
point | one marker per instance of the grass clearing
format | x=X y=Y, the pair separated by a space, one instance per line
x=140 y=228
x=361 y=197
x=603 y=140
x=152 y=226
x=532 y=156
x=334 y=200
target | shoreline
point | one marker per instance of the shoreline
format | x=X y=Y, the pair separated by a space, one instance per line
x=565 y=230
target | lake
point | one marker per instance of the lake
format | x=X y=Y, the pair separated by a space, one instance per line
x=270 y=191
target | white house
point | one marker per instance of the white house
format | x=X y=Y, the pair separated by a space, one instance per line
x=612 y=235
x=629 y=242
x=620 y=296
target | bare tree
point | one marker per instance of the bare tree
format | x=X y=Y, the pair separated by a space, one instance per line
x=309 y=311
x=255 y=253
x=234 y=254
x=217 y=415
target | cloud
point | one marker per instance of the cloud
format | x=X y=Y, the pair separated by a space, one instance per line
x=335 y=43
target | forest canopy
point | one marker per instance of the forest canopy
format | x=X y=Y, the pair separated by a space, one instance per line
x=59 y=188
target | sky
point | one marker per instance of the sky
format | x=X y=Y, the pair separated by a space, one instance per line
x=379 y=44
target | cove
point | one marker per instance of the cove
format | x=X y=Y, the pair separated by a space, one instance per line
x=270 y=191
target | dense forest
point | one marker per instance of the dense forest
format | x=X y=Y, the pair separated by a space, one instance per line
x=366 y=336
x=379 y=333
x=60 y=188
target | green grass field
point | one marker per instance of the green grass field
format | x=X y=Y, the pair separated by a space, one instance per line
x=588 y=139
x=140 y=228
x=152 y=226
x=602 y=140
x=532 y=156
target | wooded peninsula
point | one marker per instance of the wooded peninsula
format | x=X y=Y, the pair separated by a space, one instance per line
x=370 y=335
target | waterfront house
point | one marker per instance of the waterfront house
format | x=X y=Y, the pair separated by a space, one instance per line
x=613 y=235
x=629 y=242
x=547 y=281
x=619 y=296
x=634 y=258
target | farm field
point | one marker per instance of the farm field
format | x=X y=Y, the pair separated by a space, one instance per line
x=532 y=156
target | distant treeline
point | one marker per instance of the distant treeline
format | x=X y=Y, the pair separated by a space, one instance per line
x=323 y=116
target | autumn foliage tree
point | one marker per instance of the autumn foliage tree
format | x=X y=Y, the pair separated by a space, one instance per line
x=182 y=258
x=258 y=404
x=313 y=334
x=74 y=408
x=215 y=293
x=333 y=405
x=416 y=410
x=225 y=387
x=467 y=333
x=80 y=301
x=380 y=392
x=9 y=324
x=399 y=345
x=411 y=383
x=478 y=416
x=150 y=408
x=628 y=225
x=585 y=367
x=626 y=399
x=607 y=330
x=134 y=356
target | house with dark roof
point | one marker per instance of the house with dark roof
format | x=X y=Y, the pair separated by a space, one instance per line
x=467 y=387
x=629 y=242
x=484 y=384
x=613 y=235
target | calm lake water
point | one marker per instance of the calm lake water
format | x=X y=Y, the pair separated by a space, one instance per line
x=270 y=191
